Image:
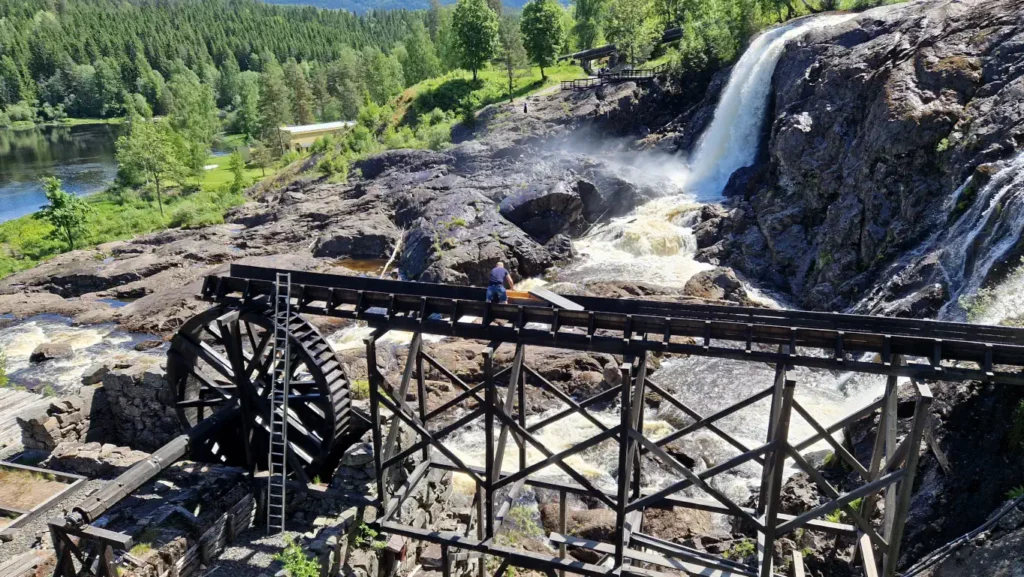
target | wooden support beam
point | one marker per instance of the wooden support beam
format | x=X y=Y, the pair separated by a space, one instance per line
x=906 y=488
x=766 y=537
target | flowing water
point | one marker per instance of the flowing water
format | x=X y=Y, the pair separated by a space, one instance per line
x=81 y=156
x=656 y=245
x=90 y=343
x=980 y=239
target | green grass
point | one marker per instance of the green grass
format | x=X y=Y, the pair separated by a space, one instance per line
x=360 y=389
x=456 y=89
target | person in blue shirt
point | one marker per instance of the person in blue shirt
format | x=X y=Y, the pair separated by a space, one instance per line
x=500 y=278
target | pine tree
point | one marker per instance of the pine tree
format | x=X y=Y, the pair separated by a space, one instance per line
x=421 y=61
x=542 y=32
x=274 y=104
x=476 y=32
x=302 y=96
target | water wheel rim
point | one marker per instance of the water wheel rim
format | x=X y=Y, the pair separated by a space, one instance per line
x=202 y=373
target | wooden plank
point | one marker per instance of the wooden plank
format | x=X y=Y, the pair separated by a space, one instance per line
x=555 y=300
x=867 y=556
x=119 y=540
x=646 y=557
x=798 y=564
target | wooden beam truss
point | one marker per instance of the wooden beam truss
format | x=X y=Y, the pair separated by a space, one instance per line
x=500 y=409
x=898 y=348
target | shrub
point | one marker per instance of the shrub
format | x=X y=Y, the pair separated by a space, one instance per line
x=334 y=166
x=296 y=562
x=3 y=369
x=1015 y=493
x=21 y=112
x=367 y=537
x=360 y=389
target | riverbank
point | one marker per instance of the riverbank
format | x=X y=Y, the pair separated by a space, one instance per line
x=123 y=214
x=28 y=124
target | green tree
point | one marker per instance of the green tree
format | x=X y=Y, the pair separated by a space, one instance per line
x=261 y=155
x=633 y=27
x=476 y=33
x=149 y=149
x=383 y=75
x=421 y=61
x=302 y=96
x=274 y=104
x=193 y=115
x=247 y=104
x=542 y=32
x=513 y=55
x=64 y=211
x=237 y=166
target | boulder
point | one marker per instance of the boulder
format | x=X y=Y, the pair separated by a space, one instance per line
x=372 y=236
x=51 y=351
x=544 y=211
x=719 y=284
x=410 y=160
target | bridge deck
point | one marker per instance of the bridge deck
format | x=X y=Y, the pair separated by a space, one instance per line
x=933 y=350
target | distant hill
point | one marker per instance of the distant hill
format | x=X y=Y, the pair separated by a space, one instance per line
x=360 y=6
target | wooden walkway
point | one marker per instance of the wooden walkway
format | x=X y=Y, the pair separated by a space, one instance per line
x=14 y=403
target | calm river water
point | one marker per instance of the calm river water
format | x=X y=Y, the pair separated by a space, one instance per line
x=81 y=156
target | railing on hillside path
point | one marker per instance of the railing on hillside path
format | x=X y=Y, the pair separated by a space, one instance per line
x=639 y=74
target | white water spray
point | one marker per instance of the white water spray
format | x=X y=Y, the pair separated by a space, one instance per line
x=731 y=142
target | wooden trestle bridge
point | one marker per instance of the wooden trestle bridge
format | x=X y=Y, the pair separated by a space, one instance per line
x=921 y=351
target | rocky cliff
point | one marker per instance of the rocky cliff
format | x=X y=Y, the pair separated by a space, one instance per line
x=877 y=121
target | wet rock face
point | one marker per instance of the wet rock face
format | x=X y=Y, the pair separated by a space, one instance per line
x=717 y=284
x=876 y=121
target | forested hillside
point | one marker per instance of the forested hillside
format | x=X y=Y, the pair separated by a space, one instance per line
x=82 y=54
x=360 y=6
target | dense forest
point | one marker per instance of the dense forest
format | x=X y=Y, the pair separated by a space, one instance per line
x=360 y=6
x=85 y=58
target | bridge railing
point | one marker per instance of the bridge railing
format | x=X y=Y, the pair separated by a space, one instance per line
x=639 y=74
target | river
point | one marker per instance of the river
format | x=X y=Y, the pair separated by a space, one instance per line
x=81 y=156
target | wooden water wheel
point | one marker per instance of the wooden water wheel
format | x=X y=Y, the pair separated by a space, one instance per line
x=223 y=356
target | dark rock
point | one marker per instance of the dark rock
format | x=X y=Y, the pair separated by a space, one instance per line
x=147 y=345
x=372 y=236
x=876 y=121
x=51 y=351
x=545 y=211
x=411 y=160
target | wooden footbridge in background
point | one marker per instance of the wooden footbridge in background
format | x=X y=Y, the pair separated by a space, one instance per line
x=220 y=369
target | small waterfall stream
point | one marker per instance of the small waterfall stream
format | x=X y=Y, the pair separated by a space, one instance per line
x=981 y=238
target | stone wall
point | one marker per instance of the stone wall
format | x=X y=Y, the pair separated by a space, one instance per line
x=94 y=460
x=141 y=404
x=67 y=419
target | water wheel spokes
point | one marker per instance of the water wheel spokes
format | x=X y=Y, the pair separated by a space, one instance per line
x=225 y=355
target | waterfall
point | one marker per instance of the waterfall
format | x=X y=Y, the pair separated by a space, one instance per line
x=731 y=142
x=980 y=239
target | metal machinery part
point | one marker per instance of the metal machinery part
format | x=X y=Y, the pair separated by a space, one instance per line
x=223 y=356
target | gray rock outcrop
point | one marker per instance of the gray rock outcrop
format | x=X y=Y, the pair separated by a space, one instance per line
x=877 y=120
